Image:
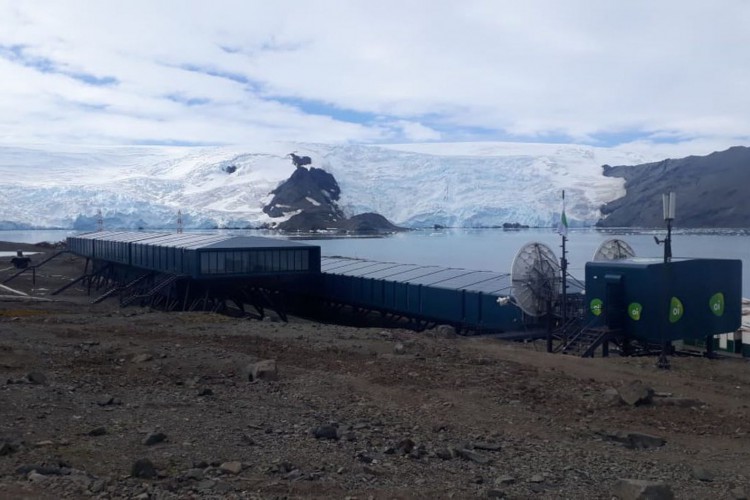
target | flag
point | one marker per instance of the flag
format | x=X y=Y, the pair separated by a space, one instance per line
x=562 y=227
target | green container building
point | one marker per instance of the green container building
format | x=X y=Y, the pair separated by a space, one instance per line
x=648 y=299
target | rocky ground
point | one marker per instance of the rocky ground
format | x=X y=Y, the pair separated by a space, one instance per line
x=97 y=401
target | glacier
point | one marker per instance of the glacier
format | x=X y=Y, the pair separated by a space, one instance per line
x=413 y=185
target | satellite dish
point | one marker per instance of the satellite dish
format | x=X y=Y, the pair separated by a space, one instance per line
x=614 y=250
x=535 y=275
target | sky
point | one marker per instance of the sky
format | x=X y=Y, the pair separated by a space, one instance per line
x=672 y=73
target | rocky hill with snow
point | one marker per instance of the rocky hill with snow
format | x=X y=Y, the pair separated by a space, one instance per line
x=466 y=184
x=711 y=191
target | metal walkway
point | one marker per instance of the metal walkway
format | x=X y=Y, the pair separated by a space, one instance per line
x=463 y=298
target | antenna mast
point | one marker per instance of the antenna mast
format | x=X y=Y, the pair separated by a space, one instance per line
x=179 y=221
x=99 y=221
x=564 y=262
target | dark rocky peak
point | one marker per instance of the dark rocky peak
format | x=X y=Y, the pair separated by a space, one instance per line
x=312 y=190
x=312 y=195
x=300 y=161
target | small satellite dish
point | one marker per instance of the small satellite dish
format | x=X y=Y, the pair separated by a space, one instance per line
x=614 y=249
x=535 y=275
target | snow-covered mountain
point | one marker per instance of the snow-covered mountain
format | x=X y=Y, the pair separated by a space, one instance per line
x=464 y=184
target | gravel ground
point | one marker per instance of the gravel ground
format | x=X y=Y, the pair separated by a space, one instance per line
x=102 y=402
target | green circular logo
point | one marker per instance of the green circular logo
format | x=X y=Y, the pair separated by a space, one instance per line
x=596 y=307
x=676 y=310
x=716 y=303
x=634 y=311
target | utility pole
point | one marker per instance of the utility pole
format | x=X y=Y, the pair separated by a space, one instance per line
x=669 y=204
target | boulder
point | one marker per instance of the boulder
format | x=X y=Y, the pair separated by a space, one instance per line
x=444 y=332
x=231 y=467
x=638 y=489
x=702 y=474
x=143 y=468
x=261 y=370
x=154 y=438
x=326 y=432
x=636 y=393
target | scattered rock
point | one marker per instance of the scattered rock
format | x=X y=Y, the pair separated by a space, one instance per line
x=97 y=486
x=205 y=485
x=405 y=446
x=679 y=402
x=636 y=393
x=487 y=446
x=399 y=348
x=444 y=453
x=365 y=457
x=231 y=467
x=472 y=456
x=194 y=474
x=107 y=400
x=702 y=474
x=36 y=378
x=635 y=440
x=444 y=332
x=98 y=431
x=326 y=432
x=504 y=480
x=495 y=494
x=144 y=469
x=261 y=370
x=35 y=477
x=142 y=358
x=154 y=438
x=536 y=478
x=611 y=396
x=7 y=447
x=738 y=494
x=45 y=470
x=206 y=392
x=248 y=440
x=637 y=489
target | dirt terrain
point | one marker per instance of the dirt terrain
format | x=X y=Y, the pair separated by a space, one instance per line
x=98 y=401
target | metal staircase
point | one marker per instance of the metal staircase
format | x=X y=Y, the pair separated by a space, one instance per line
x=158 y=285
x=588 y=340
x=120 y=288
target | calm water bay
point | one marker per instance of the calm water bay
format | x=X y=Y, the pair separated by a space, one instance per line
x=494 y=249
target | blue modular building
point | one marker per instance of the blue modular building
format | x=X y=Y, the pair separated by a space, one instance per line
x=463 y=298
x=657 y=301
x=199 y=256
x=209 y=270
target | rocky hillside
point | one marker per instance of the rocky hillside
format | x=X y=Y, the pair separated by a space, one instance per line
x=307 y=201
x=712 y=191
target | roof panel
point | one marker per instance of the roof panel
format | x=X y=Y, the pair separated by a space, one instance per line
x=394 y=270
x=488 y=282
x=256 y=242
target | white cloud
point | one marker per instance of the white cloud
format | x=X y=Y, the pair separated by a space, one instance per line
x=329 y=71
